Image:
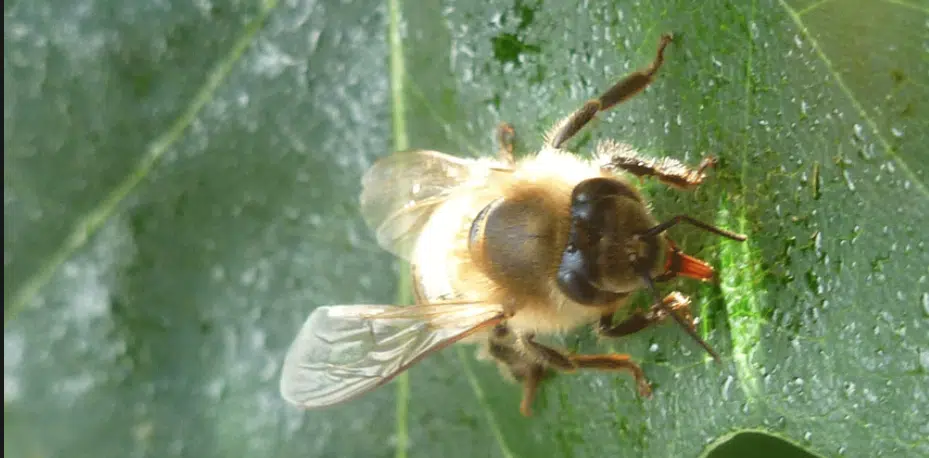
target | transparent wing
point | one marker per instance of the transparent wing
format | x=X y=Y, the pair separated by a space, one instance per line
x=345 y=350
x=400 y=192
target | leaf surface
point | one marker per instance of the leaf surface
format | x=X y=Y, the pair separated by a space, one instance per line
x=180 y=190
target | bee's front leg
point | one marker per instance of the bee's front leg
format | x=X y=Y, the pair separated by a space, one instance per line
x=667 y=170
x=618 y=93
x=677 y=302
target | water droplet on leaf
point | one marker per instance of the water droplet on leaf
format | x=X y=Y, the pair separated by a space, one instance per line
x=848 y=180
x=727 y=386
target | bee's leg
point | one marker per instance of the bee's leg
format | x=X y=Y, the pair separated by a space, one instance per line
x=501 y=348
x=667 y=170
x=545 y=355
x=543 y=359
x=615 y=362
x=620 y=92
x=520 y=366
x=506 y=137
x=569 y=363
x=530 y=388
x=677 y=302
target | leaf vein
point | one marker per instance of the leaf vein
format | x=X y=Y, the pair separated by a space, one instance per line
x=482 y=400
x=89 y=224
x=401 y=142
x=812 y=7
x=907 y=5
x=868 y=119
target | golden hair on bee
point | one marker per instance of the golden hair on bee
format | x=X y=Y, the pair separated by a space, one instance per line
x=502 y=250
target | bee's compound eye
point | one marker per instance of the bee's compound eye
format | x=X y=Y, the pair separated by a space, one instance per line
x=574 y=276
x=578 y=288
x=575 y=285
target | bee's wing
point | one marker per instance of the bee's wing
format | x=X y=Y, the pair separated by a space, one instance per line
x=345 y=350
x=400 y=192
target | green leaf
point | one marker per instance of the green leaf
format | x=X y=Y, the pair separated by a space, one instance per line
x=180 y=190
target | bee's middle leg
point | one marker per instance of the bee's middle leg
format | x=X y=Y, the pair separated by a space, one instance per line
x=530 y=363
x=509 y=351
x=569 y=363
x=557 y=360
x=677 y=302
x=615 y=362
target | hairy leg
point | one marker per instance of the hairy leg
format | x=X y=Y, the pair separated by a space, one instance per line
x=677 y=302
x=669 y=171
x=620 y=92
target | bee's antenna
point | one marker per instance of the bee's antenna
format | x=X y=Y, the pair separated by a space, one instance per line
x=693 y=334
x=686 y=219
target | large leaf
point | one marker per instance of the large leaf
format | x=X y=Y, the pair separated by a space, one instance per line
x=180 y=190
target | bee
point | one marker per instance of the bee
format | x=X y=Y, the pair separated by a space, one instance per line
x=502 y=250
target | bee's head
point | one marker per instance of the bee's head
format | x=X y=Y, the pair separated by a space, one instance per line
x=616 y=246
x=602 y=254
x=613 y=245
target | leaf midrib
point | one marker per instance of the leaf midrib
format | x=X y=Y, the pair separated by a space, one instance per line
x=87 y=225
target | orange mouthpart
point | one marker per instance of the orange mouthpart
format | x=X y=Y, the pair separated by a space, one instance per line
x=687 y=266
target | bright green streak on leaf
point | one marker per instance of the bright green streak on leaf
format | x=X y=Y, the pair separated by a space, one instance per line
x=741 y=283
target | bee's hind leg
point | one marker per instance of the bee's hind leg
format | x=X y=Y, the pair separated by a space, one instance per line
x=506 y=140
x=676 y=301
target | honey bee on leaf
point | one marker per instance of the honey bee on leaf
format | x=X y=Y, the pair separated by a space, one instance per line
x=503 y=250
